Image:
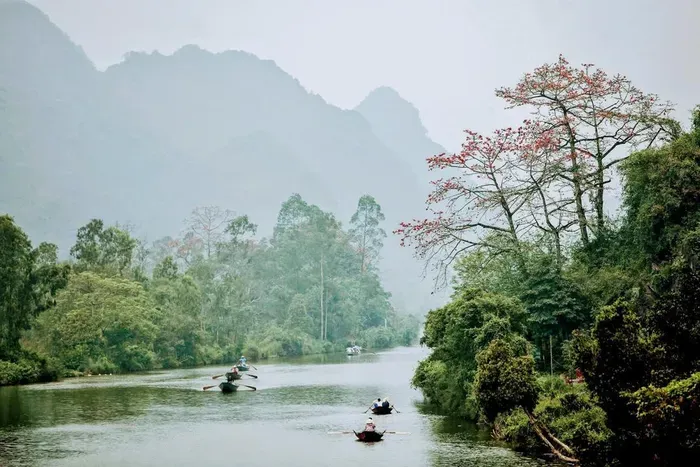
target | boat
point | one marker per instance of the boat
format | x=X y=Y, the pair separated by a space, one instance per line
x=227 y=386
x=231 y=376
x=382 y=410
x=354 y=350
x=369 y=436
x=242 y=367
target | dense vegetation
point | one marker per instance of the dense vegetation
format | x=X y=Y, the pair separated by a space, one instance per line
x=548 y=283
x=120 y=305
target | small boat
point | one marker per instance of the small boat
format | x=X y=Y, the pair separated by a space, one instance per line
x=382 y=410
x=369 y=436
x=231 y=376
x=242 y=367
x=354 y=350
x=227 y=386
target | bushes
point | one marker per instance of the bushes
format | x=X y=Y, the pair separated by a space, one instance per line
x=30 y=368
x=570 y=413
x=378 y=338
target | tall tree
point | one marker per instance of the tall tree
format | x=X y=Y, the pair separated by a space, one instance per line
x=594 y=116
x=208 y=224
x=100 y=248
x=16 y=264
x=480 y=207
x=365 y=231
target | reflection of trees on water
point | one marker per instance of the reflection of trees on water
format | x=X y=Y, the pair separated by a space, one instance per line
x=23 y=407
x=460 y=443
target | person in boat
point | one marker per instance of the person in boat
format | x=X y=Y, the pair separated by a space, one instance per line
x=242 y=361
x=369 y=425
x=234 y=369
x=377 y=403
x=385 y=403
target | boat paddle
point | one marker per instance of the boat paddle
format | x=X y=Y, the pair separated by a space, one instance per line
x=209 y=387
x=217 y=376
x=397 y=410
x=368 y=408
x=252 y=376
x=251 y=387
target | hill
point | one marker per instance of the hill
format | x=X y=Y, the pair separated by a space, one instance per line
x=150 y=138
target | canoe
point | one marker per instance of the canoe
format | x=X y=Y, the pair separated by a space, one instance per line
x=382 y=410
x=231 y=376
x=227 y=386
x=243 y=367
x=369 y=436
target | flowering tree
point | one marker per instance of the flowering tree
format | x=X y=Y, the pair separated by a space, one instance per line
x=593 y=117
x=481 y=206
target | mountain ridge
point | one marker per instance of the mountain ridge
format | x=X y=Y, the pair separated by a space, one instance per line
x=150 y=138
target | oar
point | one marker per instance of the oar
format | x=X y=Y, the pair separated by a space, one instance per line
x=251 y=387
x=252 y=376
x=397 y=410
x=209 y=387
x=218 y=376
x=340 y=432
x=368 y=408
x=398 y=432
x=253 y=366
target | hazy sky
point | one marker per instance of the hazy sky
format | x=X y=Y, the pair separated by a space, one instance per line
x=445 y=56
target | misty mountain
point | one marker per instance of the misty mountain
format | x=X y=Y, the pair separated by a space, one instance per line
x=154 y=136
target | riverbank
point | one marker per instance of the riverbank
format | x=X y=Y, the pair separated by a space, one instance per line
x=32 y=368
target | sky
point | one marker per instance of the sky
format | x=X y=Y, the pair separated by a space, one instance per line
x=444 y=56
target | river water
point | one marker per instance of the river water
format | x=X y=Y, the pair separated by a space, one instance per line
x=164 y=418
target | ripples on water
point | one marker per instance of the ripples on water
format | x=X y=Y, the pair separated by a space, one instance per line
x=165 y=418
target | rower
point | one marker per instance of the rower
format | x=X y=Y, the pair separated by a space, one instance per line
x=377 y=403
x=385 y=403
x=369 y=424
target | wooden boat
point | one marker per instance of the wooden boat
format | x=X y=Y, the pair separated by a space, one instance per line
x=354 y=350
x=242 y=367
x=382 y=410
x=227 y=386
x=369 y=436
x=231 y=376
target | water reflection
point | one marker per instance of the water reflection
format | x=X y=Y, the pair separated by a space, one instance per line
x=292 y=419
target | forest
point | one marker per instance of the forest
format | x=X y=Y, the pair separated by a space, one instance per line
x=119 y=304
x=574 y=327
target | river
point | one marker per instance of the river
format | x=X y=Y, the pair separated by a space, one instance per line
x=164 y=418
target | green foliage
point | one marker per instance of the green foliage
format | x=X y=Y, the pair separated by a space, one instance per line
x=100 y=324
x=457 y=332
x=504 y=380
x=671 y=417
x=365 y=231
x=103 y=249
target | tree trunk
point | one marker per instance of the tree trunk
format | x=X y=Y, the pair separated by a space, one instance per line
x=550 y=440
x=322 y=303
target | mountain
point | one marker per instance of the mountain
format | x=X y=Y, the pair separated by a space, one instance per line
x=398 y=124
x=154 y=136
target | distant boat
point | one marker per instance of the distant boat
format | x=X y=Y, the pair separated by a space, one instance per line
x=231 y=376
x=369 y=436
x=354 y=350
x=242 y=367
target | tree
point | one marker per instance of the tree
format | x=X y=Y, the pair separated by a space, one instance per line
x=592 y=116
x=166 y=269
x=97 y=248
x=208 y=224
x=16 y=264
x=480 y=207
x=365 y=231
